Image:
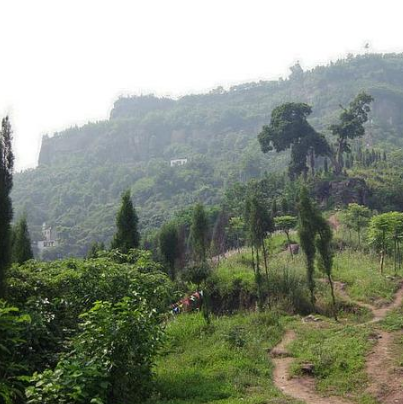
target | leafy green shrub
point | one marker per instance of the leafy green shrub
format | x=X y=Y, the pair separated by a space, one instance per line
x=12 y=325
x=196 y=273
x=56 y=293
x=110 y=360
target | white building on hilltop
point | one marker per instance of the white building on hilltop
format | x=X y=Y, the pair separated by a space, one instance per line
x=178 y=162
x=50 y=239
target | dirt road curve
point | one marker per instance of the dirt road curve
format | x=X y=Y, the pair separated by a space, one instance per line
x=385 y=383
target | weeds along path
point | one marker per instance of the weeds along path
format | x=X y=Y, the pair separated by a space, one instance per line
x=384 y=385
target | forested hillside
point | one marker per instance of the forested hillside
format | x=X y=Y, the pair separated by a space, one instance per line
x=82 y=171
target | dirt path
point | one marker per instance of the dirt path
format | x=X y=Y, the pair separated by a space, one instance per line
x=385 y=383
x=302 y=388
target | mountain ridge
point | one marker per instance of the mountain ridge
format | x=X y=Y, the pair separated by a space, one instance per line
x=83 y=170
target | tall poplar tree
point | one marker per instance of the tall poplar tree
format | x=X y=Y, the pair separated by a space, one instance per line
x=6 y=211
x=21 y=243
x=127 y=235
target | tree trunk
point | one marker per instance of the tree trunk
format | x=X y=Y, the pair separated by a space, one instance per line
x=312 y=161
x=253 y=260
x=289 y=244
x=258 y=281
x=329 y=277
x=311 y=283
x=265 y=261
x=359 y=237
x=381 y=262
x=382 y=254
x=337 y=160
x=395 y=256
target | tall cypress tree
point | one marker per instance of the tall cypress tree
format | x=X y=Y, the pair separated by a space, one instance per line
x=6 y=211
x=199 y=233
x=127 y=235
x=21 y=243
x=307 y=232
x=168 y=240
x=315 y=236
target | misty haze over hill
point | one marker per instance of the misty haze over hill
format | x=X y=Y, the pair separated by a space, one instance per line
x=83 y=170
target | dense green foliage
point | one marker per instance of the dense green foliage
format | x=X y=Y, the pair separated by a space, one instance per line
x=82 y=171
x=12 y=327
x=95 y=326
x=111 y=360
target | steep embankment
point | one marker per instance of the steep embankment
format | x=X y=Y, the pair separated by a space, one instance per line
x=384 y=383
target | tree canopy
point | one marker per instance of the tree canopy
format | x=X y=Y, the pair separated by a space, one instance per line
x=127 y=235
x=289 y=128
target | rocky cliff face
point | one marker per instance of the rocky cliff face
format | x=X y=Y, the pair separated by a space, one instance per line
x=141 y=128
x=339 y=193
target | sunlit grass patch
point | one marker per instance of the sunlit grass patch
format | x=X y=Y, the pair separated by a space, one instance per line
x=337 y=354
x=224 y=362
x=360 y=272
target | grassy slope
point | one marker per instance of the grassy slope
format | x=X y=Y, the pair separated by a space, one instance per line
x=338 y=355
x=226 y=362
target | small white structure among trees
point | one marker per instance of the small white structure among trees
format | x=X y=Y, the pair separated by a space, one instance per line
x=50 y=239
x=178 y=162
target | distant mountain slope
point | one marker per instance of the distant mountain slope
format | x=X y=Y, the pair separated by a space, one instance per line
x=82 y=171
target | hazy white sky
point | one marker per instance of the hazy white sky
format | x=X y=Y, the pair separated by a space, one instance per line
x=64 y=62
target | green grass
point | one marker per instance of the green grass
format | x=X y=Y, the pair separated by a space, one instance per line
x=224 y=362
x=235 y=270
x=364 y=281
x=227 y=361
x=338 y=355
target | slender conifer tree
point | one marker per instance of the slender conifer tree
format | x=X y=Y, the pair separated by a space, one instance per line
x=127 y=235
x=6 y=211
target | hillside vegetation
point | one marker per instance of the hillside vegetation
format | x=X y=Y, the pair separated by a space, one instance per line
x=83 y=170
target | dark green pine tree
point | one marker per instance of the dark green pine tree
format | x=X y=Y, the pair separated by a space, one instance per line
x=21 y=242
x=127 y=235
x=168 y=241
x=6 y=210
x=199 y=233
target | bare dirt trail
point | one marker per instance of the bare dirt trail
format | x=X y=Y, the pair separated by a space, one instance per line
x=385 y=383
x=386 y=380
x=301 y=388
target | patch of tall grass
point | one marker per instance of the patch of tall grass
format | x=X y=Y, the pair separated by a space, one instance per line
x=223 y=362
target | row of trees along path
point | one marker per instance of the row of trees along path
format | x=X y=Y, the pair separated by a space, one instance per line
x=378 y=364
